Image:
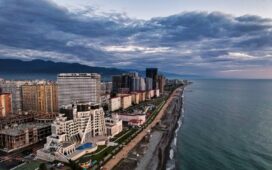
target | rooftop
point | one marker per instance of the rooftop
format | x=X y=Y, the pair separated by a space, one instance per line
x=135 y=120
x=18 y=130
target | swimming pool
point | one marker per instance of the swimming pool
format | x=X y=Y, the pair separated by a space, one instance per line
x=85 y=146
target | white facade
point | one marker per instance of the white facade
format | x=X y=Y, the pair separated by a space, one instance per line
x=113 y=126
x=142 y=84
x=157 y=93
x=78 y=87
x=129 y=117
x=67 y=135
x=150 y=94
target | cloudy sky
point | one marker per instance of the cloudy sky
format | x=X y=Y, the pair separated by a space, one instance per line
x=212 y=38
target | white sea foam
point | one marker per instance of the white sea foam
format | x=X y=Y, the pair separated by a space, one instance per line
x=170 y=165
x=171 y=154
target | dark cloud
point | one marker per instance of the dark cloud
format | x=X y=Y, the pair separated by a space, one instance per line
x=190 y=42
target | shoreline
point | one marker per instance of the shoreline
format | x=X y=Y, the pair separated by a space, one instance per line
x=174 y=132
x=152 y=151
x=164 y=146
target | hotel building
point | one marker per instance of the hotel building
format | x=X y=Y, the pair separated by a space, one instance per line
x=78 y=87
x=73 y=138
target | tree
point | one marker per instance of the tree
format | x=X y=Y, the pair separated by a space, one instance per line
x=42 y=166
x=74 y=166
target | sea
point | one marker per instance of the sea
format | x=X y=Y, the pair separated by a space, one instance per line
x=226 y=125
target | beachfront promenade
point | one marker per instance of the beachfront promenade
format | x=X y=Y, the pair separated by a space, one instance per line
x=127 y=148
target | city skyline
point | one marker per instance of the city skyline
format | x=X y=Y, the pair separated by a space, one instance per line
x=193 y=38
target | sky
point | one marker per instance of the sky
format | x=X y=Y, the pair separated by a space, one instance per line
x=210 y=38
x=147 y=9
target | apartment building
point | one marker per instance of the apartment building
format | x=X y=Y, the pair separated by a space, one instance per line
x=126 y=100
x=115 y=103
x=40 y=97
x=5 y=104
x=15 y=88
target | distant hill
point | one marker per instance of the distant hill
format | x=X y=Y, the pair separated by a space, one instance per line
x=40 y=69
x=18 y=67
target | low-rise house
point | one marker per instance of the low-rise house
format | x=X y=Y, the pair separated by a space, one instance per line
x=127 y=117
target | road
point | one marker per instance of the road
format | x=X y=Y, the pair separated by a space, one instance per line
x=126 y=149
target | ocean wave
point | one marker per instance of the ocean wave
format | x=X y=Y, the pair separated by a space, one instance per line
x=170 y=165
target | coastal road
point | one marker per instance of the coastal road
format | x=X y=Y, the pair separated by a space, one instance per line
x=127 y=148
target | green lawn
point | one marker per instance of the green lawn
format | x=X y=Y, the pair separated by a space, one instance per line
x=122 y=139
x=119 y=134
x=29 y=166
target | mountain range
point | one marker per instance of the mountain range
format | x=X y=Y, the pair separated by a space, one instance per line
x=17 y=69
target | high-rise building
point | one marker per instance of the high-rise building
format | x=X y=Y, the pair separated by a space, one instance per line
x=131 y=81
x=106 y=88
x=126 y=81
x=133 y=74
x=40 y=97
x=15 y=88
x=78 y=87
x=116 y=83
x=142 y=84
x=162 y=81
x=5 y=104
x=153 y=73
x=135 y=84
x=148 y=83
